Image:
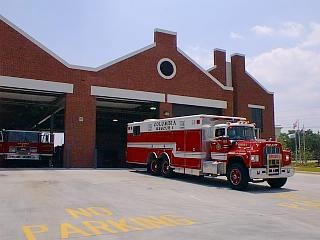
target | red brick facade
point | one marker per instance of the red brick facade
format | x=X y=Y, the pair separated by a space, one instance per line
x=248 y=91
x=22 y=57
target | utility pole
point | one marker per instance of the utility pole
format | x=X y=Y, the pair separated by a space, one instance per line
x=304 y=145
x=295 y=140
x=299 y=140
x=295 y=144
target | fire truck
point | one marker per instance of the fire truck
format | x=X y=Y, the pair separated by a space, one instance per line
x=208 y=145
x=18 y=145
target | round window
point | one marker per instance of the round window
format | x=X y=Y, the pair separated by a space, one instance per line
x=166 y=68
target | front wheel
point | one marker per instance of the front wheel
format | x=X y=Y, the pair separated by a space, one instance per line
x=277 y=182
x=238 y=177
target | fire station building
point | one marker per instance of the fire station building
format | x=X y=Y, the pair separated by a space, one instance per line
x=91 y=106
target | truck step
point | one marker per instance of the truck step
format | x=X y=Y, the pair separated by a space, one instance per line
x=212 y=167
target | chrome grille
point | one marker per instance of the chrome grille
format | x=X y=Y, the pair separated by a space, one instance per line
x=23 y=150
x=271 y=150
x=274 y=162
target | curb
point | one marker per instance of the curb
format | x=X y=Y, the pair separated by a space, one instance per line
x=314 y=173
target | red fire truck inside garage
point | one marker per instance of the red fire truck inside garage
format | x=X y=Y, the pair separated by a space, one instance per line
x=208 y=145
x=18 y=145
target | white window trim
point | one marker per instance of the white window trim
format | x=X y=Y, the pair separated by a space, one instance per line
x=194 y=101
x=33 y=84
x=256 y=106
x=174 y=68
x=165 y=31
x=127 y=94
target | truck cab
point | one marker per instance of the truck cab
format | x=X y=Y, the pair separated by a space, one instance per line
x=19 y=145
x=247 y=158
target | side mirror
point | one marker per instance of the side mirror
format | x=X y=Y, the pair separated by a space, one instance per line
x=224 y=139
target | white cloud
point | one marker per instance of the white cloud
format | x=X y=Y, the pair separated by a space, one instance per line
x=288 y=29
x=313 y=39
x=293 y=74
x=203 y=57
x=291 y=29
x=263 y=30
x=234 y=35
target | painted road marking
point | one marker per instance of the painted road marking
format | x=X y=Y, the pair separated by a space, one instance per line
x=68 y=229
x=30 y=231
x=88 y=212
x=112 y=226
x=297 y=202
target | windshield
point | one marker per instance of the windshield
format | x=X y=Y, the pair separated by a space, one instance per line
x=241 y=133
x=15 y=136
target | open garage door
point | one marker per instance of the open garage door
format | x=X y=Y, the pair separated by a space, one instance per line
x=112 y=118
x=36 y=111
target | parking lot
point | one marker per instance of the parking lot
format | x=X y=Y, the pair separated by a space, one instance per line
x=129 y=204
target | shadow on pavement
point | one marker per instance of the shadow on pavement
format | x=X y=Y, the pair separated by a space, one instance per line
x=218 y=183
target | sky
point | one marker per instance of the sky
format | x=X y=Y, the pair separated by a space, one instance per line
x=280 y=39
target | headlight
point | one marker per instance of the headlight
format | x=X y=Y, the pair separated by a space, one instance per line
x=287 y=157
x=254 y=158
x=12 y=149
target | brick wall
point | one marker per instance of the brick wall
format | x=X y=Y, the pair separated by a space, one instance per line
x=140 y=72
x=247 y=91
x=219 y=71
x=21 y=57
x=80 y=127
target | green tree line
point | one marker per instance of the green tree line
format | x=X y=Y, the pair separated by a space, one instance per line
x=309 y=149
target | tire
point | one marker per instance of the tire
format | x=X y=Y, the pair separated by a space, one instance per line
x=238 y=176
x=153 y=167
x=166 y=170
x=277 y=182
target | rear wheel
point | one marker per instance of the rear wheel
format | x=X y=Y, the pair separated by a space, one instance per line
x=277 y=182
x=238 y=176
x=153 y=167
x=166 y=170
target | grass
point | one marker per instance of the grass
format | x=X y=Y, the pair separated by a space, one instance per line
x=307 y=167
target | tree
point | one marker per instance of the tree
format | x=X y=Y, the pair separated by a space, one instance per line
x=312 y=143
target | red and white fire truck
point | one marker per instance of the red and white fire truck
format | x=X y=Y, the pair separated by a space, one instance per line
x=208 y=145
x=25 y=145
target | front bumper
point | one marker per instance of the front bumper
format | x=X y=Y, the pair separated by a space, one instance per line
x=262 y=173
x=14 y=156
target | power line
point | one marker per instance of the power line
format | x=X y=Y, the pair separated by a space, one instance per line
x=291 y=125
x=302 y=118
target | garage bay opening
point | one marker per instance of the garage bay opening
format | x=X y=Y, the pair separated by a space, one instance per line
x=31 y=128
x=111 y=128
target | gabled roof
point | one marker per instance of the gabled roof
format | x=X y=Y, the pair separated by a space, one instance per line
x=205 y=72
x=92 y=69
x=55 y=56
x=258 y=83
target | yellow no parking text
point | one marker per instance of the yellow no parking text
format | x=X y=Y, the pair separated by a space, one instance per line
x=92 y=221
